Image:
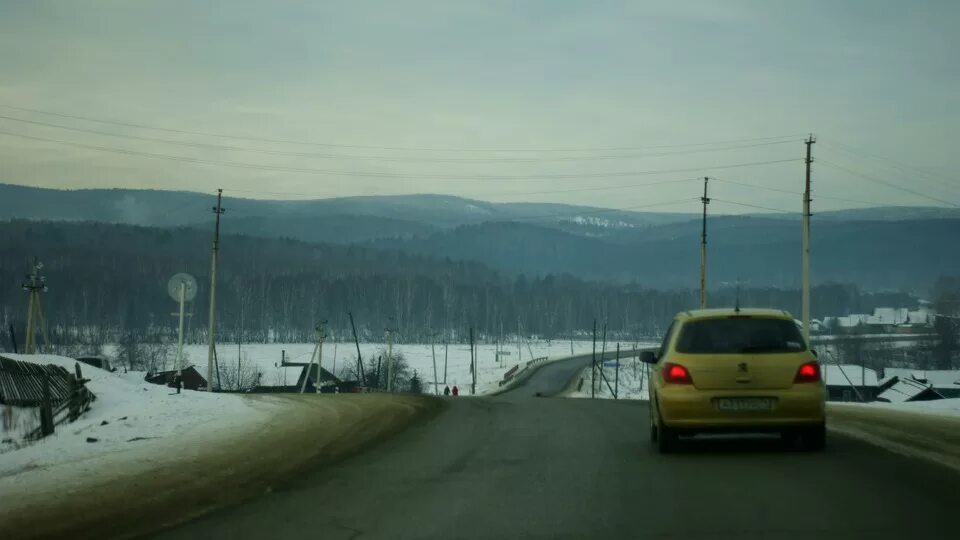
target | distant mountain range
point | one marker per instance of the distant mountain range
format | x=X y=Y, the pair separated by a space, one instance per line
x=876 y=248
x=354 y=218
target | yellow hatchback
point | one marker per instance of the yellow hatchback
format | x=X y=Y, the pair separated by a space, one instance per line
x=734 y=371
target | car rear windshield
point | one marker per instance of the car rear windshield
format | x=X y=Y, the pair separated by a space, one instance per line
x=736 y=335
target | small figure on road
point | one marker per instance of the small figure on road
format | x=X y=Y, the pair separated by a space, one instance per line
x=456 y=391
x=178 y=382
x=446 y=390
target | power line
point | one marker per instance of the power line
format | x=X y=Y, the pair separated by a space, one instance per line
x=927 y=181
x=779 y=190
x=889 y=161
x=748 y=205
x=371 y=174
x=893 y=185
x=397 y=148
x=756 y=186
x=399 y=159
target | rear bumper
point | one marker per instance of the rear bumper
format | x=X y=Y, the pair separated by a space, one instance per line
x=684 y=407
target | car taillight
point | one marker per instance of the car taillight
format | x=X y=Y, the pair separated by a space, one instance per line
x=809 y=372
x=675 y=374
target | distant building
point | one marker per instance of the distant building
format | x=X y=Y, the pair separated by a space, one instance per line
x=850 y=382
x=897 y=390
x=883 y=320
x=97 y=362
x=329 y=383
x=944 y=382
x=192 y=380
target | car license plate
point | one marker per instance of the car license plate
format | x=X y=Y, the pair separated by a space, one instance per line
x=745 y=404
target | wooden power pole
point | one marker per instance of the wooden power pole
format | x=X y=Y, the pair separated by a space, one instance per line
x=211 y=337
x=806 y=243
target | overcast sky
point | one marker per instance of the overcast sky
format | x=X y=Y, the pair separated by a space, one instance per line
x=425 y=97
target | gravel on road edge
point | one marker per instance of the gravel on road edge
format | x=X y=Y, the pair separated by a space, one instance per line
x=182 y=481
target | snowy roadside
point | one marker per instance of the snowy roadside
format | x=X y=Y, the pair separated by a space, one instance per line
x=452 y=361
x=937 y=407
x=630 y=383
x=175 y=457
x=926 y=430
x=127 y=413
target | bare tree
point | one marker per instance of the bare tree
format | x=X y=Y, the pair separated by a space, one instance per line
x=244 y=377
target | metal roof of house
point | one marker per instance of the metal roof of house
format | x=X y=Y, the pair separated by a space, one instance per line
x=847 y=374
x=903 y=390
x=939 y=378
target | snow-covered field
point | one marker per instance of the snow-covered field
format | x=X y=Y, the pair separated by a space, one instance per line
x=340 y=357
x=632 y=382
x=127 y=412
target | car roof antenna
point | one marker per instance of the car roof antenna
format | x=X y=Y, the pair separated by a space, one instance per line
x=736 y=308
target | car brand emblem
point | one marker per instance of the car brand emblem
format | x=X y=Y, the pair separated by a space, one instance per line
x=742 y=367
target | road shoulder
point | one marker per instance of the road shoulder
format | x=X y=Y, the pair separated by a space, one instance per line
x=933 y=438
x=169 y=481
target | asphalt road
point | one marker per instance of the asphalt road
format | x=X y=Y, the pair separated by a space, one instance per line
x=519 y=466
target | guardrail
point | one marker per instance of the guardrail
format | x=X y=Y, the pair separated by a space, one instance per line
x=532 y=366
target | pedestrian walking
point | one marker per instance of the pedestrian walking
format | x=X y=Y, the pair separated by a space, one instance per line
x=456 y=391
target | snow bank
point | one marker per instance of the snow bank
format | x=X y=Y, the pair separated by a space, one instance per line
x=127 y=413
x=937 y=407
x=632 y=383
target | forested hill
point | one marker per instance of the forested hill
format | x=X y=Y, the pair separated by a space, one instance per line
x=876 y=248
x=876 y=255
x=111 y=279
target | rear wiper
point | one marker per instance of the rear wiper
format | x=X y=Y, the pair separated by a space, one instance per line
x=758 y=349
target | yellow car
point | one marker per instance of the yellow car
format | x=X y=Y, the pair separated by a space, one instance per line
x=735 y=370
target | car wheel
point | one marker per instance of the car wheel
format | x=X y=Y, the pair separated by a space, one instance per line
x=667 y=439
x=814 y=439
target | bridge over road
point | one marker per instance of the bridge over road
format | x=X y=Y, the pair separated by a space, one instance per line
x=519 y=466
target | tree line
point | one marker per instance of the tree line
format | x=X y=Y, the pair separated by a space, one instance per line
x=107 y=284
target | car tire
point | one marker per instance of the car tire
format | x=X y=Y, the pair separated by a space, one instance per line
x=814 y=439
x=667 y=439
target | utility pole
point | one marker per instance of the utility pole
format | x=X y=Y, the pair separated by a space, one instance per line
x=806 y=243
x=240 y=342
x=593 y=364
x=616 y=379
x=306 y=373
x=321 y=337
x=34 y=285
x=211 y=337
x=446 y=349
x=473 y=367
x=334 y=369
x=703 y=247
x=433 y=353
x=389 y=360
x=356 y=341
x=519 y=342
x=182 y=293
